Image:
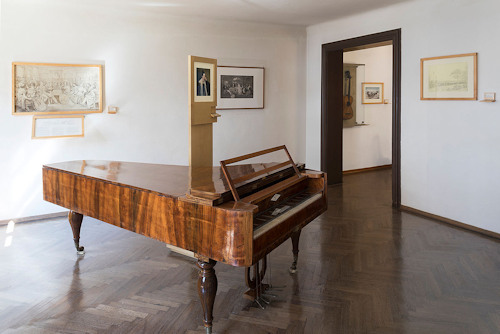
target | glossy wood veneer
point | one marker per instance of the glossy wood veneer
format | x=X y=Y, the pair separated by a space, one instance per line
x=150 y=200
x=163 y=216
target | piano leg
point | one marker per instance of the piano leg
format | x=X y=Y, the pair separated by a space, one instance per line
x=207 y=288
x=295 y=244
x=75 y=220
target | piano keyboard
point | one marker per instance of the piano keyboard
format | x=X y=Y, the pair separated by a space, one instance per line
x=273 y=216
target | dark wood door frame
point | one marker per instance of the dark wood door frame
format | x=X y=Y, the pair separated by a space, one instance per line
x=331 y=104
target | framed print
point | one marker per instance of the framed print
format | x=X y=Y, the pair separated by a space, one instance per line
x=372 y=92
x=449 y=77
x=39 y=88
x=240 y=87
x=204 y=81
x=57 y=126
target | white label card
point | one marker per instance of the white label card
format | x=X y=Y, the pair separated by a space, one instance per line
x=275 y=197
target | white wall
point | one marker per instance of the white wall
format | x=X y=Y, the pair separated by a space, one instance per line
x=145 y=58
x=450 y=149
x=370 y=145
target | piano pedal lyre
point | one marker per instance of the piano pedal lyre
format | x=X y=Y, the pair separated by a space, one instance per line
x=256 y=291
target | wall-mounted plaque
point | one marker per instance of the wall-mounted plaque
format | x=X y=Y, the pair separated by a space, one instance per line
x=57 y=126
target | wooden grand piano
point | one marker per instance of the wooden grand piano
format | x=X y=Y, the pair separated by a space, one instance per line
x=235 y=214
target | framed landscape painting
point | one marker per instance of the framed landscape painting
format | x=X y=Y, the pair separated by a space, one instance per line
x=449 y=77
x=240 y=87
x=41 y=88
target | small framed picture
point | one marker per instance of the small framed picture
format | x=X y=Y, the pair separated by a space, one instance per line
x=372 y=92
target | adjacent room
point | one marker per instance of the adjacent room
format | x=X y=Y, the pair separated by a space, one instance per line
x=249 y=166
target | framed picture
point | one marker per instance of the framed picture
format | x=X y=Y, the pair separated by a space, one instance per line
x=57 y=126
x=240 y=87
x=372 y=92
x=449 y=77
x=204 y=81
x=39 y=88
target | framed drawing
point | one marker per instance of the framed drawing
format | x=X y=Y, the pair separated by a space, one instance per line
x=449 y=77
x=57 y=126
x=372 y=92
x=39 y=88
x=240 y=87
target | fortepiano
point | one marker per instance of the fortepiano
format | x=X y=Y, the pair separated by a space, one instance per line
x=233 y=213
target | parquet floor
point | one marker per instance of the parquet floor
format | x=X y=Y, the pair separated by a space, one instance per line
x=363 y=268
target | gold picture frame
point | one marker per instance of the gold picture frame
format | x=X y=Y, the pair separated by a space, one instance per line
x=372 y=92
x=57 y=126
x=46 y=88
x=449 y=77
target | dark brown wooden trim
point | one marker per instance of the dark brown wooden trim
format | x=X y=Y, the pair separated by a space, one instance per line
x=368 y=46
x=450 y=221
x=368 y=169
x=331 y=114
x=331 y=123
x=35 y=218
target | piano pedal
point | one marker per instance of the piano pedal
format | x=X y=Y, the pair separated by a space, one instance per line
x=269 y=295
x=262 y=299
x=259 y=304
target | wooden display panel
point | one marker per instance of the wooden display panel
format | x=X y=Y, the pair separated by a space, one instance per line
x=202 y=113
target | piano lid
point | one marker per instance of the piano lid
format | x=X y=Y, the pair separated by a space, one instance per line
x=169 y=180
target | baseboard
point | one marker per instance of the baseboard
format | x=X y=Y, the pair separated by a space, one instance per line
x=33 y=218
x=369 y=169
x=451 y=222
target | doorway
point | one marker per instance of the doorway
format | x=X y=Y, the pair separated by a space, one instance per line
x=332 y=79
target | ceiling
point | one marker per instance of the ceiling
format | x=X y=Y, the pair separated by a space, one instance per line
x=292 y=12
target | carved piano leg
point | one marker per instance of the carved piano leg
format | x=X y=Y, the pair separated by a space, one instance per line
x=207 y=288
x=295 y=243
x=75 y=220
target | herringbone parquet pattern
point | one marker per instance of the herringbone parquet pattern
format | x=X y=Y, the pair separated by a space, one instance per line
x=363 y=268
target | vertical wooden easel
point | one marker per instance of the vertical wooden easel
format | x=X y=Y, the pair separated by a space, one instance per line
x=202 y=113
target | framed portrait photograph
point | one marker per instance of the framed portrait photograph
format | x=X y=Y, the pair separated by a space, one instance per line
x=372 y=92
x=57 y=126
x=240 y=87
x=449 y=77
x=41 y=88
x=204 y=81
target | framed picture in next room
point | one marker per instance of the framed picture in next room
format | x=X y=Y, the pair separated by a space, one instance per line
x=240 y=87
x=373 y=92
